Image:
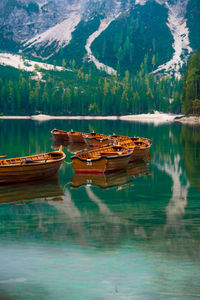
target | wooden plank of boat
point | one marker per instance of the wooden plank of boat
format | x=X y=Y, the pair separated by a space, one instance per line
x=94 y=139
x=104 y=159
x=60 y=134
x=76 y=137
x=32 y=167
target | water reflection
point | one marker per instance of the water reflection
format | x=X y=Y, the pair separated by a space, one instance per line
x=140 y=225
x=21 y=193
x=108 y=180
x=190 y=139
x=175 y=210
x=71 y=147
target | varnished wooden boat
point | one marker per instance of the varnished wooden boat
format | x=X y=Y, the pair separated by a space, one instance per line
x=22 y=193
x=104 y=159
x=139 y=149
x=60 y=134
x=76 y=137
x=29 y=168
x=102 y=180
x=94 y=139
x=120 y=139
x=138 y=145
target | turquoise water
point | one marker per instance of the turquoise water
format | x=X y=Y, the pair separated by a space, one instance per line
x=124 y=236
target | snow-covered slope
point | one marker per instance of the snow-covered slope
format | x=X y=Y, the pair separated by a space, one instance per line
x=43 y=27
x=180 y=32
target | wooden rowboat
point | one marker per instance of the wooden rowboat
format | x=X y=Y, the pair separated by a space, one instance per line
x=118 y=139
x=104 y=159
x=76 y=137
x=29 y=168
x=60 y=134
x=94 y=139
x=139 y=149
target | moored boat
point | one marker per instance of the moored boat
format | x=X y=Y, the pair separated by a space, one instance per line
x=104 y=159
x=120 y=139
x=139 y=149
x=76 y=137
x=94 y=139
x=30 y=168
x=60 y=134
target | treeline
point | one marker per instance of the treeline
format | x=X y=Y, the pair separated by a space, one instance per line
x=191 y=86
x=82 y=92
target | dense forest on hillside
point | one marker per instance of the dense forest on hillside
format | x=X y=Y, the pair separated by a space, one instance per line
x=134 y=34
x=87 y=92
x=191 y=86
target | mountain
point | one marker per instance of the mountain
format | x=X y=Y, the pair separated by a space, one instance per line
x=116 y=35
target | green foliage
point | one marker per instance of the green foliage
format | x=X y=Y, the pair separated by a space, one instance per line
x=87 y=92
x=191 y=84
x=193 y=23
x=75 y=51
x=196 y=106
x=132 y=36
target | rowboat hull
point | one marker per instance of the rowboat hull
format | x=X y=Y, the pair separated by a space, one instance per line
x=139 y=154
x=27 y=173
x=60 y=135
x=76 y=137
x=28 y=169
x=100 y=165
x=140 y=149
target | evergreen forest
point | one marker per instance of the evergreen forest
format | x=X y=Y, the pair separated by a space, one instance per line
x=191 y=86
x=87 y=92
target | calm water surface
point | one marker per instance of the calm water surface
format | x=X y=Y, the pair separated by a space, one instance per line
x=128 y=235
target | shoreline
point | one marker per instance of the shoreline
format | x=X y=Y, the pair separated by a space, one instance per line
x=157 y=118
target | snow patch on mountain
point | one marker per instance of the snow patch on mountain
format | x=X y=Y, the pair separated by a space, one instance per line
x=100 y=66
x=16 y=61
x=61 y=33
x=103 y=26
x=180 y=32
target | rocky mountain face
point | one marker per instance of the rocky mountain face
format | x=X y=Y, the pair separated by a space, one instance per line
x=112 y=34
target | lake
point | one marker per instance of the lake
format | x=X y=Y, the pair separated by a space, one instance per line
x=126 y=235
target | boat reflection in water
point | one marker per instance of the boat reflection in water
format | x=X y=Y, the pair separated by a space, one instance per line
x=57 y=143
x=46 y=190
x=108 y=180
x=71 y=147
